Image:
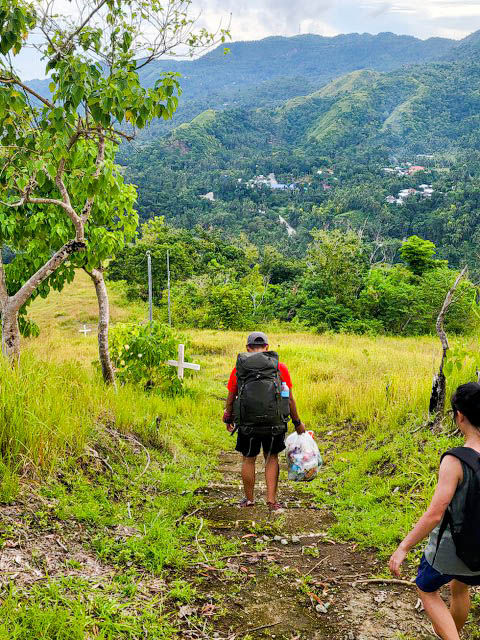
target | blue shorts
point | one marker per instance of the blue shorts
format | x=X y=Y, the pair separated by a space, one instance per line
x=430 y=580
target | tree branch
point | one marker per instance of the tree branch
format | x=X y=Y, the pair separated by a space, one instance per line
x=58 y=258
x=69 y=210
x=441 y=316
x=61 y=185
x=98 y=163
x=5 y=80
x=86 y=21
x=122 y=134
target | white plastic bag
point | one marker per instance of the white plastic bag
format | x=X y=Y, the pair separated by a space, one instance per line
x=303 y=457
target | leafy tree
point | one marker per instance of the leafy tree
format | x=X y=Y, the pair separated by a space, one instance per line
x=62 y=193
x=409 y=305
x=191 y=253
x=337 y=264
x=418 y=254
x=229 y=307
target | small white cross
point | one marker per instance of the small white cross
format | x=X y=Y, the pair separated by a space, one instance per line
x=84 y=330
x=181 y=364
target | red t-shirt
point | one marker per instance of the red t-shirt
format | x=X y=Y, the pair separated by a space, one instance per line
x=232 y=385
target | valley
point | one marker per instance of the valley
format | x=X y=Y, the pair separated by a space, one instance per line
x=157 y=209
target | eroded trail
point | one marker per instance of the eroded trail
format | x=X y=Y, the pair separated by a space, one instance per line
x=291 y=581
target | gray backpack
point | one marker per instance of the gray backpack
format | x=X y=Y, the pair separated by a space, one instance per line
x=259 y=408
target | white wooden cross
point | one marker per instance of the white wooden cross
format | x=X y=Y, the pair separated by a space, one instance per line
x=84 y=330
x=181 y=364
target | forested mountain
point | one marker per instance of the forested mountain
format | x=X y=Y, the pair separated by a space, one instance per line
x=271 y=70
x=325 y=115
x=329 y=151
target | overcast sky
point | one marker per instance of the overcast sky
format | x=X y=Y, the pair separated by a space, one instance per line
x=255 y=19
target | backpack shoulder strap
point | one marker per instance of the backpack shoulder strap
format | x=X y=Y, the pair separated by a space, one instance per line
x=466 y=455
x=470 y=458
x=446 y=521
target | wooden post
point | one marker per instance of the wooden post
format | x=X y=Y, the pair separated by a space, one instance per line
x=437 y=397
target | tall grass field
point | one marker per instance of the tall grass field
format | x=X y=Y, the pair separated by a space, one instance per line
x=365 y=398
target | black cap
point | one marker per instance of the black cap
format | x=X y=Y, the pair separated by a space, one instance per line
x=257 y=338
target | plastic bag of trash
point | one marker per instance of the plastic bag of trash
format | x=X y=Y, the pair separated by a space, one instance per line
x=303 y=457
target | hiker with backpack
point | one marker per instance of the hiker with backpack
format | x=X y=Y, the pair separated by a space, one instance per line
x=259 y=404
x=452 y=521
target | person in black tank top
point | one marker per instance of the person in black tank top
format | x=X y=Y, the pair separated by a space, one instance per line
x=441 y=563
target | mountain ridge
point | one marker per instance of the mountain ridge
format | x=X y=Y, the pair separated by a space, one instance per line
x=269 y=71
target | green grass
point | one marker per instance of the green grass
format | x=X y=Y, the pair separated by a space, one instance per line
x=70 y=610
x=82 y=449
x=367 y=400
x=107 y=463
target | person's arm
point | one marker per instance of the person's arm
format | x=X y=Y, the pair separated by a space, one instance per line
x=299 y=426
x=449 y=477
x=228 y=413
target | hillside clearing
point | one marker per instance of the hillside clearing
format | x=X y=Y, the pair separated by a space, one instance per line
x=129 y=529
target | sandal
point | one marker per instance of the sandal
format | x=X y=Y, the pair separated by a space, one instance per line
x=275 y=506
x=246 y=503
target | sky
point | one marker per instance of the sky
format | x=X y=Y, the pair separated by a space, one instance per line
x=255 y=19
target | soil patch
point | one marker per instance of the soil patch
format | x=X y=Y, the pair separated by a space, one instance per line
x=290 y=581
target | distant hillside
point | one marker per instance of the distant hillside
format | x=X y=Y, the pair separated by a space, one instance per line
x=420 y=109
x=269 y=71
x=327 y=150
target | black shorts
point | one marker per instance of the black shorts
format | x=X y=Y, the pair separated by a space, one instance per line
x=250 y=446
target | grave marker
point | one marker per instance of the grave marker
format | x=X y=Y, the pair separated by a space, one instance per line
x=84 y=330
x=181 y=364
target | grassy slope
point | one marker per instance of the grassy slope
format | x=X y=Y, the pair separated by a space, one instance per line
x=365 y=398
x=101 y=463
x=335 y=88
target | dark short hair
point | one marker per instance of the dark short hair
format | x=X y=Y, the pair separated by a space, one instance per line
x=466 y=399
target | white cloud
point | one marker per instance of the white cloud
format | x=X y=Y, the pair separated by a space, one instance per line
x=428 y=9
x=253 y=19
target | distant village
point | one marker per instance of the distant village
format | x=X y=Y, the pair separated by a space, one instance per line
x=270 y=181
x=424 y=190
x=325 y=176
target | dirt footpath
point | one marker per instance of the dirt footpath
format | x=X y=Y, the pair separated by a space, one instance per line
x=291 y=582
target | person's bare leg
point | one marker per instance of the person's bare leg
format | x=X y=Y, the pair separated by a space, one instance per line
x=272 y=471
x=248 y=477
x=460 y=603
x=440 y=615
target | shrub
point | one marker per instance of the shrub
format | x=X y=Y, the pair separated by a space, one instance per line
x=323 y=313
x=229 y=307
x=139 y=354
x=358 y=326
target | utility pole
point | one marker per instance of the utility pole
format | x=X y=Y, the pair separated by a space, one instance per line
x=150 y=302
x=168 y=286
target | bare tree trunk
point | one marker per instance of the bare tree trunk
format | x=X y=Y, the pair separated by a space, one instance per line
x=10 y=334
x=103 y=324
x=438 y=395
